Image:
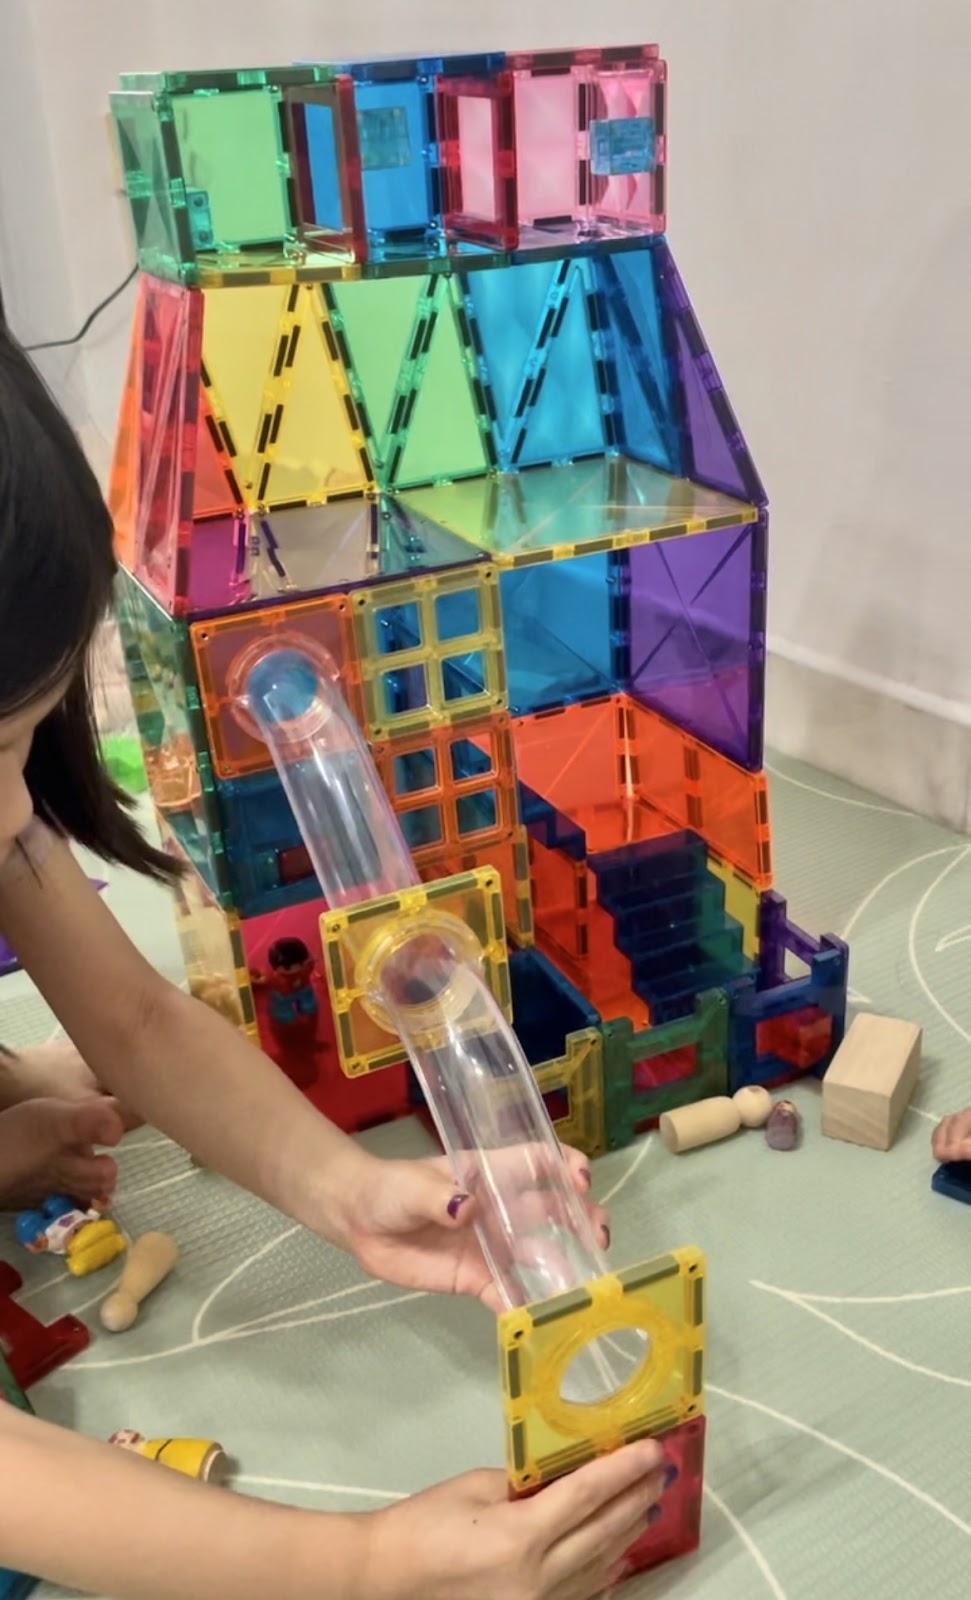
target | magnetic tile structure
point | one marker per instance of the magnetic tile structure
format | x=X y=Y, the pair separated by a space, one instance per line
x=414 y=377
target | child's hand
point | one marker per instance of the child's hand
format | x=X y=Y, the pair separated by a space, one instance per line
x=466 y=1537
x=952 y=1138
x=408 y=1224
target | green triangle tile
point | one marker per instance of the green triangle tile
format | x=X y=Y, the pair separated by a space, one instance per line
x=443 y=438
x=378 y=318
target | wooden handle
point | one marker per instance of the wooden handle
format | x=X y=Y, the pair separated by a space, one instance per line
x=150 y=1260
x=701 y=1123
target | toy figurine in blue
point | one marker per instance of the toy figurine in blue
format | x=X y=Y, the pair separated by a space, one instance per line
x=290 y=982
x=60 y=1227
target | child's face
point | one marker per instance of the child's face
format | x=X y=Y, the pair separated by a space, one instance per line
x=16 y=735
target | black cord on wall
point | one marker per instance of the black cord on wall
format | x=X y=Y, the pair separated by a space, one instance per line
x=60 y=344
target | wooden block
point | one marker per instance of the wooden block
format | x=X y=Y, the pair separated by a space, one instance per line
x=871 y=1079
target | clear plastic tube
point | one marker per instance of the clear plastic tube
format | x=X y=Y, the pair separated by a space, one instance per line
x=424 y=979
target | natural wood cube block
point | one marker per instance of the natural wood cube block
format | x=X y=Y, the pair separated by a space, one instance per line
x=871 y=1079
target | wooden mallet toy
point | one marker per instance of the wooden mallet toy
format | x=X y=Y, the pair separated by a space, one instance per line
x=150 y=1260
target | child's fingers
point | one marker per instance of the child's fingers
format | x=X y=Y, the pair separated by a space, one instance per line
x=952 y=1138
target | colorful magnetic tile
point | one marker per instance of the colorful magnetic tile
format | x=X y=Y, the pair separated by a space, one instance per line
x=714 y=448
x=802 y=1038
x=770 y=995
x=669 y=920
x=452 y=788
x=742 y=901
x=294 y=263
x=205 y=164
x=579 y=937
x=642 y=417
x=654 y=1070
x=572 y=1088
x=508 y=856
x=623 y=774
x=698 y=788
x=216 y=968
x=165 y=694
x=287 y=415
x=159 y=213
x=678 y=1529
x=548 y=1435
x=547 y=1008
x=395 y=112
x=591 y=142
x=564 y=630
x=407 y=349
x=430 y=651
x=352 y=938
x=267 y=863
x=477 y=158
x=218 y=645
x=170 y=334
x=537 y=328
x=31 y=1349
x=307 y=550
x=223 y=80
x=326 y=182
x=439 y=428
x=696 y=621
x=583 y=508
x=124 y=484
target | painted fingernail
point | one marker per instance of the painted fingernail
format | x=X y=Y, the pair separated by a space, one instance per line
x=606 y=1235
x=455 y=1205
x=655 y=1513
x=586 y=1177
x=671 y=1475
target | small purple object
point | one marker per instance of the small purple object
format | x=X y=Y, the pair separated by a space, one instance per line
x=783 y=1127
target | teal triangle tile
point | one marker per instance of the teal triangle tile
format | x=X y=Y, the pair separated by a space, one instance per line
x=517 y=313
x=641 y=372
x=565 y=412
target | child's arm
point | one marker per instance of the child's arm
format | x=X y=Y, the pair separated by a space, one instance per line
x=100 y=1519
x=171 y=1059
x=97 y=1518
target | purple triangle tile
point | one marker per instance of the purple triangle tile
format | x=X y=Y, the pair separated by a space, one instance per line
x=716 y=452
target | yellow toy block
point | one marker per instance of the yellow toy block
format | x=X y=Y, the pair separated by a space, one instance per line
x=546 y=1435
x=444 y=631
x=465 y=910
x=579 y=1074
x=270 y=357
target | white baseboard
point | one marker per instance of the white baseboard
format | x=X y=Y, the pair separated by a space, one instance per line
x=913 y=754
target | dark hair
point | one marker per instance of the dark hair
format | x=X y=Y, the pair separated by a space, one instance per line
x=288 y=953
x=57 y=571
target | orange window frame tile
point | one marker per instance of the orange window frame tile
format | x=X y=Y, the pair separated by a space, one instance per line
x=218 y=644
x=492 y=739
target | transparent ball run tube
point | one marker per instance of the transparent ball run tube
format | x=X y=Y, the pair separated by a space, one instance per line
x=423 y=978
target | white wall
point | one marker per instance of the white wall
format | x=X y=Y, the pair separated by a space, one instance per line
x=821 y=213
